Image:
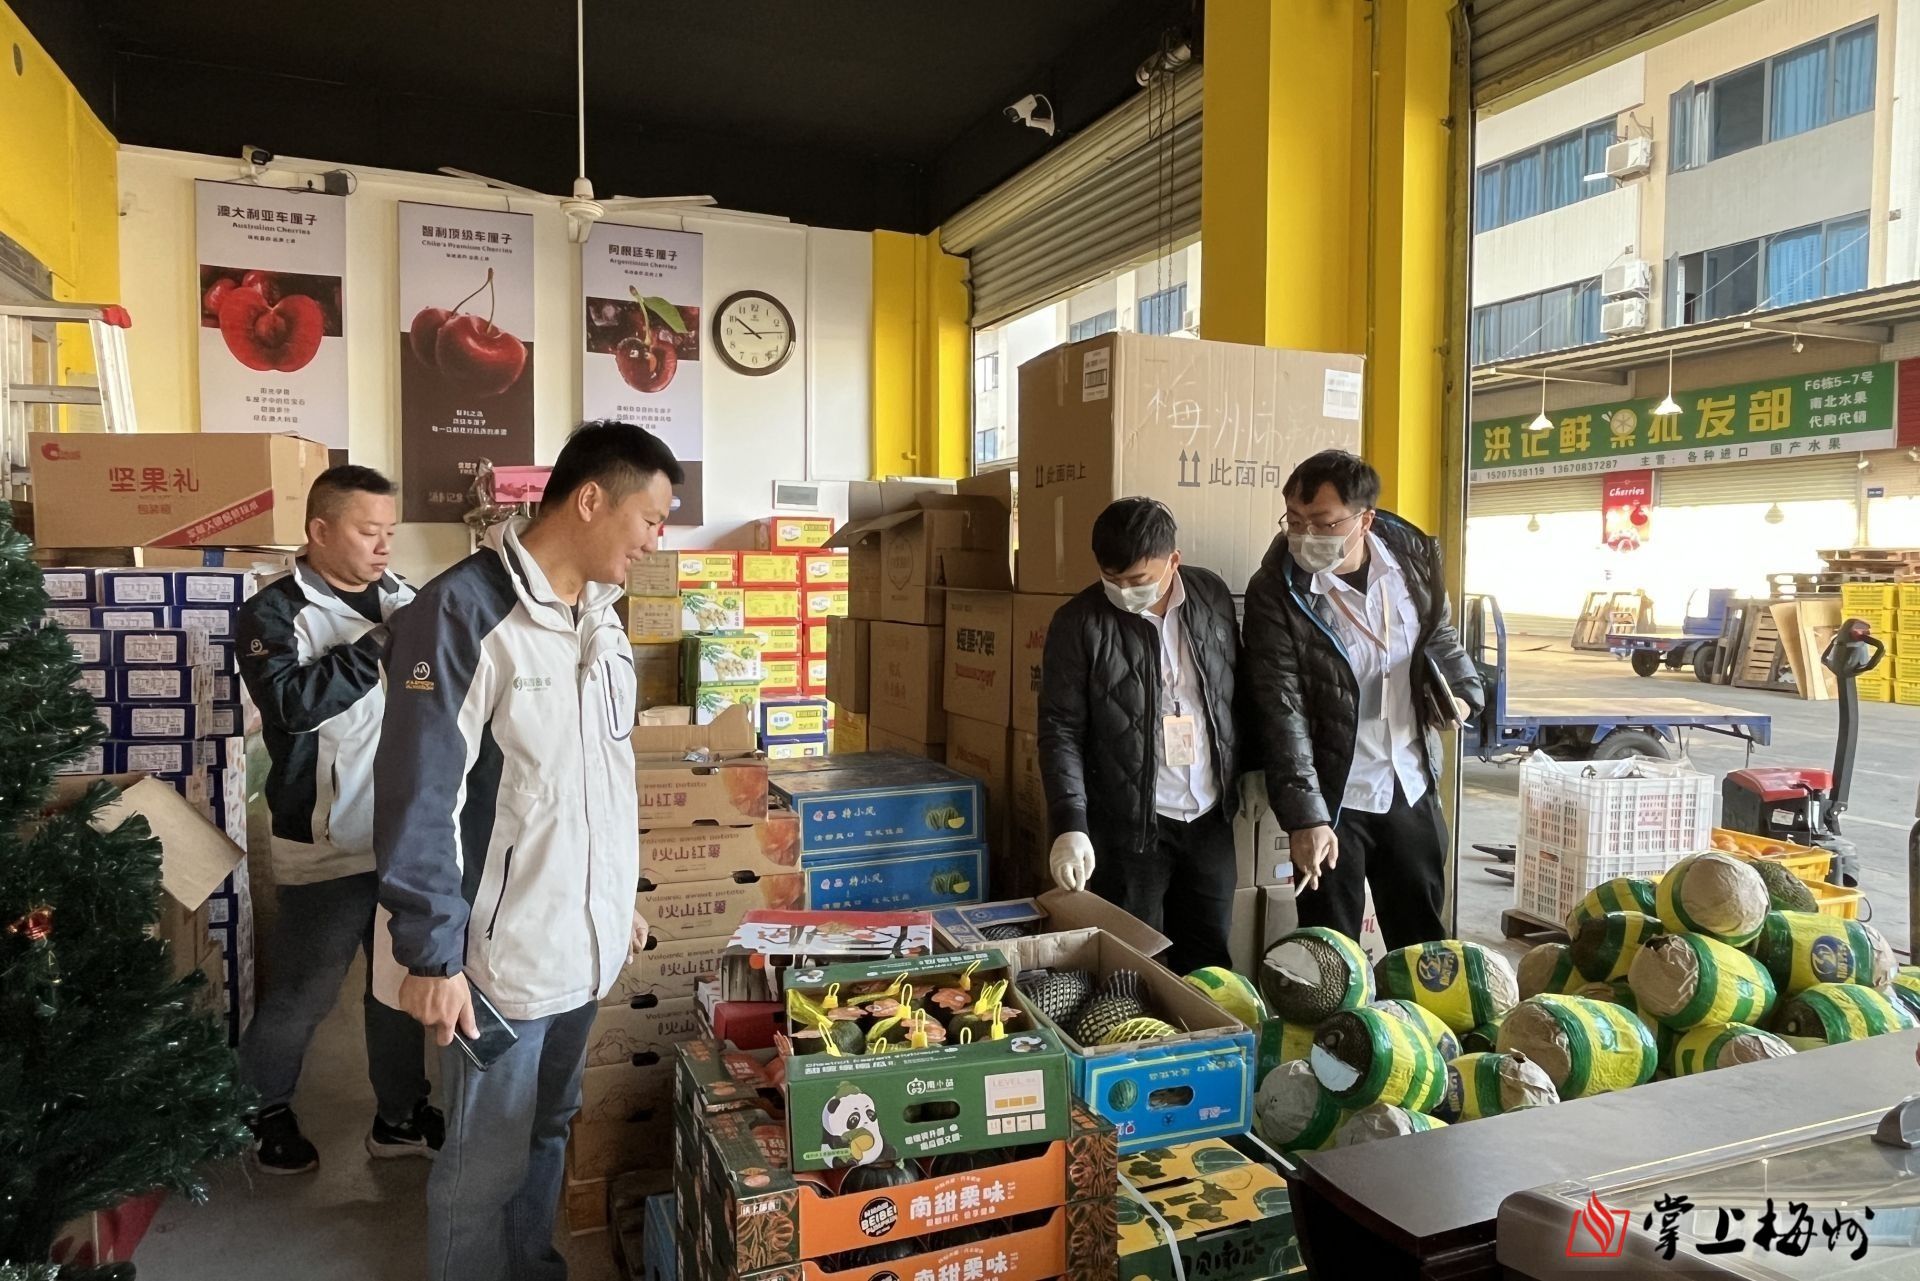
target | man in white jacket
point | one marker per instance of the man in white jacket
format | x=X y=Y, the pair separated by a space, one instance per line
x=507 y=833
x=309 y=645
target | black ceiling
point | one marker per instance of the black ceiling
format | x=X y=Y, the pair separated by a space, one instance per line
x=857 y=113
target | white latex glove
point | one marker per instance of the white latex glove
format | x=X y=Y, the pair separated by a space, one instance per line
x=1072 y=861
x=1253 y=796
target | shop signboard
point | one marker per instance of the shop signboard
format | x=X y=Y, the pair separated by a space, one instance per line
x=1803 y=416
x=1626 y=509
x=466 y=352
x=641 y=358
x=273 y=354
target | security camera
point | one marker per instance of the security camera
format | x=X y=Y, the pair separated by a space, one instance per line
x=255 y=158
x=1033 y=111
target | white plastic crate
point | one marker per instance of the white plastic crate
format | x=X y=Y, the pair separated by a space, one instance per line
x=1585 y=822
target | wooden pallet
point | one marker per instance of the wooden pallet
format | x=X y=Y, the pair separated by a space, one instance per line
x=1797 y=586
x=1761 y=660
x=1874 y=564
x=1607 y=612
x=1902 y=555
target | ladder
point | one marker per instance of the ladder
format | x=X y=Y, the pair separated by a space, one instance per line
x=31 y=389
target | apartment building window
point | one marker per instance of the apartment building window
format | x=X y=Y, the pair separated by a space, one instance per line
x=1093 y=326
x=1787 y=267
x=1162 y=313
x=1791 y=93
x=1553 y=175
x=1568 y=316
x=986 y=373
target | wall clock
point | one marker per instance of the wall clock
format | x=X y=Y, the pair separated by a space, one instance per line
x=753 y=332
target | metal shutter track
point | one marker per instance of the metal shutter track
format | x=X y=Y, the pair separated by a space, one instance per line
x=1791 y=481
x=1517 y=42
x=1090 y=206
x=1536 y=497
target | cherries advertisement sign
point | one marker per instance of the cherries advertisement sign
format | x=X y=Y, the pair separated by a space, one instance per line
x=272 y=354
x=466 y=352
x=1626 y=509
x=641 y=362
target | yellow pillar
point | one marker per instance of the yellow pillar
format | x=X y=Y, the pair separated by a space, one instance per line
x=921 y=358
x=1324 y=205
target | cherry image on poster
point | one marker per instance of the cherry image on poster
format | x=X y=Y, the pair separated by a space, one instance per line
x=469 y=352
x=647 y=337
x=270 y=320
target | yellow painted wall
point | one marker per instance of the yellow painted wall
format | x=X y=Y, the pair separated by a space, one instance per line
x=59 y=193
x=922 y=358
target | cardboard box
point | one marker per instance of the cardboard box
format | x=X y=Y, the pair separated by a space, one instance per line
x=904 y=695
x=654 y=574
x=793 y=718
x=656 y=670
x=667 y=970
x=641 y=1032
x=731 y=790
x=818 y=637
x=778 y=640
x=162 y=720
x=1279 y=917
x=76 y=618
x=824 y=569
x=1227 y=1206
x=769 y=569
x=866 y=596
x=977 y=661
x=881 y=802
x=1243 y=935
x=706 y=853
x=1032 y=616
x=879 y=740
x=158 y=685
x=624 y=1123
x=69 y=586
x=654 y=620
x=821 y=603
x=798 y=749
x=127 y=618
x=983 y=751
x=1029 y=841
x=709 y=569
x=214 y=620
x=944 y=541
x=849 y=733
x=712 y=609
x=1213 y=429
x=722 y=658
x=796 y=532
x=850 y=644
x=709 y=909
x=963 y=929
x=771 y=605
x=221 y=487
x=1196 y=1085
x=1272 y=858
x=814 y=676
x=886 y=880
x=780 y=679
x=709 y=701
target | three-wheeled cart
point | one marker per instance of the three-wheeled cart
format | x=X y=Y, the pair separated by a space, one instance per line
x=1696 y=644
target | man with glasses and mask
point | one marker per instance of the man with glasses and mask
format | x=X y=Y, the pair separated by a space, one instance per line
x=1352 y=669
x=1137 y=735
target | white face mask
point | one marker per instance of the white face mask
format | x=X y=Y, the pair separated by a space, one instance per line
x=1134 y=600
x=1317 y=552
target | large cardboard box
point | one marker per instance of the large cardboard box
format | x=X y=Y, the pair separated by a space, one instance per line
x=977 y=666
x=680 y=910
x=983 y=751
x=1243 y=936
x=171 y=489
x=879 y=740
x=730 y=790
x=667 y=970
x=904 y=686
x=1213 y=429
x=849 y=660
x=946 y=540
x=706 y=852
x=1029 y=843
x=1032 y=616
x=641 y=1031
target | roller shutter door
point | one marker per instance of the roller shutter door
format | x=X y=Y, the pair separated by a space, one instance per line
x=1531 y=498
x=1517 y=42
x=1793 y=481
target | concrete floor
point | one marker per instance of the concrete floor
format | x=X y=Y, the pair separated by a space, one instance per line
x=362 y=1220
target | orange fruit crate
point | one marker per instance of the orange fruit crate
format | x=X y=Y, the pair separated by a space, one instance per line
x=1837 y=900
x=1810 y=865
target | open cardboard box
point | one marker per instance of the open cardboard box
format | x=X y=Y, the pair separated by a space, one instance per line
x=1197 y=1084
x=726 y=785
x=768 y=943
x=1214 y=1209
x=963 y=929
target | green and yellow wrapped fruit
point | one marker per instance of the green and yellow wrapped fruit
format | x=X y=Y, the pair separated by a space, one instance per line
x=1444 y=1040
x=1294 y=1112
x=1489 y=1084
x=1621 y=894
x=1315 y=972
x=1466 y=984
x=1546 y=968
x=1585 y=1047
x=1604 y=948
x=1718 y=1045
x=1684 y=980
x=1367 y=1056
x=1383 y=1121
x=1713 y=894
x=1800 y=949
x=1837 y=1012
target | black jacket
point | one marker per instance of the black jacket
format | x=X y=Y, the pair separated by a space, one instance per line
x=1099 y=710
x=1299 y=692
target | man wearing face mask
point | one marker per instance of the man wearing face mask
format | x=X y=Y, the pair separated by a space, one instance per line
x=1353 y=668
x=1137 y=736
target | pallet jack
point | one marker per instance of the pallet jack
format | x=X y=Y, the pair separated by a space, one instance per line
x=1800 y=804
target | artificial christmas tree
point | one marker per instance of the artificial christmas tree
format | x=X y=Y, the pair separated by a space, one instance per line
x=114 y=1078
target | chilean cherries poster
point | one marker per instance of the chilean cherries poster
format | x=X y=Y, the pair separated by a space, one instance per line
x=466 y=352
x=641 y=363
x=272 y=354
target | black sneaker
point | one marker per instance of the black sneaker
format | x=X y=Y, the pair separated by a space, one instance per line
x=281 y=1148
x=420 y=1135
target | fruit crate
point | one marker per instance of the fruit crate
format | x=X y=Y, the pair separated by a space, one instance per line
x=1585 y=822
x=1907 y=693
x=1858 y=597
x=1809 y=864
x=1837 y=900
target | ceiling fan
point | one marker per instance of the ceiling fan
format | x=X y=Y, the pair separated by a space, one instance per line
x=581 y=208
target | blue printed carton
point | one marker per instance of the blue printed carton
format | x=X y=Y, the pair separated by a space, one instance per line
x=1196 y=1084
x=860 y=807
x=881 y=881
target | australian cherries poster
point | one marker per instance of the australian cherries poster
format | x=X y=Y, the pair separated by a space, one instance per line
x=641 y=363
x=466 y=352
x=272 y=354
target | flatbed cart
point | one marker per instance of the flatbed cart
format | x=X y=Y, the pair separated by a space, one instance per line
x=1695 y=645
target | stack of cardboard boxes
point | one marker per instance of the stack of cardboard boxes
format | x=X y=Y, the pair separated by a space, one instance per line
x=711 y=850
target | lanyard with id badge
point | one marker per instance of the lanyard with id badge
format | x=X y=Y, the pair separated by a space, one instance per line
x=1179 y=731
x=1373 y=693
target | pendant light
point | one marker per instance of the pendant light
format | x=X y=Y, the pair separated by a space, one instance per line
x=1542 y=423
x=1669 y=405
x=1774 y=515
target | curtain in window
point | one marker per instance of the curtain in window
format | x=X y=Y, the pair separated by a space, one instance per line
x=1566 y=166
x=1793 y=267
x=1520 y=326
x=1520 y=175
x=1486 y=334
x=1486 y=199
x=1556 y=319
x=1599 y=138
x=1799 y=91
x=1846 y=257
x=1680 y=130
x=1589 y=326
x=1853 y=71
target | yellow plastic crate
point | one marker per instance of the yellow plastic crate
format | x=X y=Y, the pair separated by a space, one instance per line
x=1906 y=621
x=1837 y=900
x=1879 y=620
x=1855 y=597
x=1907 y=693
x=1809 y=864
x=1876 y=687
x=1908 y=597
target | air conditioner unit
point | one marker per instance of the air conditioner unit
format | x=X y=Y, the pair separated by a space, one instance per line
x=1630 y=159
x=1629 y=276
x=1623 y=316
x=1190 y=321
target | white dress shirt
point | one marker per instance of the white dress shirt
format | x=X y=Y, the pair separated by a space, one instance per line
x=1185 y=792
x=1386 y=746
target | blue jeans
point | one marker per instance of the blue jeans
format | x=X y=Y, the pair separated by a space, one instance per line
x=320 y=927
x=493 y=1192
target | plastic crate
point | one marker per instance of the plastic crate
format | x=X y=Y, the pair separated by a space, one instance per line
x=1906 y=621
x=1907 y=693
x=1878 y=621
x=1855 y=597
x=1586 y=822
x=1875 y=687
x=1837 y=900
x=1805 y=862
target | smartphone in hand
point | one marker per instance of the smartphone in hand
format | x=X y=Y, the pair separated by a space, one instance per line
x=496 y=1034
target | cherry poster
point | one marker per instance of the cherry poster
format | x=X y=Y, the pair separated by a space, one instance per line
x=273 y=357
x=641 y=362
x=1626 y=509
x=466 y=352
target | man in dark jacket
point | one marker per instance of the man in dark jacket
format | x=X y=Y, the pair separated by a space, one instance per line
x=1353 y=668
x=1137 y=738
